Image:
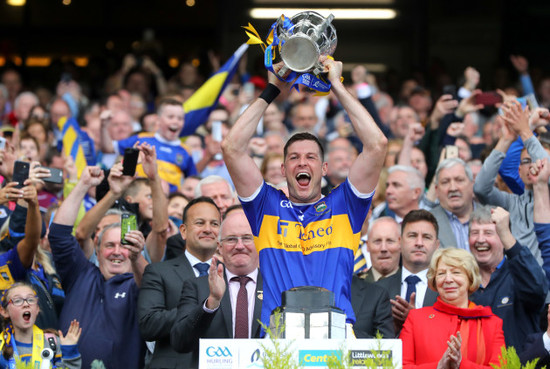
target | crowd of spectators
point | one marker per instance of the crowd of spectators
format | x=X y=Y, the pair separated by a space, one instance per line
x=461 y=171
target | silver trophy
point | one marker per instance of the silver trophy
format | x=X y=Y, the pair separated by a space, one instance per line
x=310 y=36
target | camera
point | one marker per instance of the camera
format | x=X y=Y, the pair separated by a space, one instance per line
x=47 y=357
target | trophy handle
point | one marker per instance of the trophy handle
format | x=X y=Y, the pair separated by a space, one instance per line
x=282 y=71
x=320 y=29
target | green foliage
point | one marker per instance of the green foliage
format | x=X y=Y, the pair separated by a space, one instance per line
x=509 y=359
x=280 y=355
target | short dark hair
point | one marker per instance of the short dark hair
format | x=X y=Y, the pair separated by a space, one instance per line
x=177 y=194
x=304 y=136
x=167 y=101
x=419 y=215
x=231 y=208
x=135 y=186
x=196 y=201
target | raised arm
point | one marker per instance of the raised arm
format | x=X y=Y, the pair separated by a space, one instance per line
x=135 y=247
x=106 y=140
x=484 y=188
x=244 y=172
x=156 y=240
x=540 y=173
x=414 y=133
x=27 y=246
x=66 y=214
x=365 y=170
x=117 y=185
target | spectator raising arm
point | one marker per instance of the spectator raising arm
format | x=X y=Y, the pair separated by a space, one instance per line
x=156 y=240
x=117 y=185
x=66 y=215
x=26 y=248
x=539 y=172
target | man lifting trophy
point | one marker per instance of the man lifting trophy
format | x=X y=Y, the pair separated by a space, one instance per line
x=306 y=241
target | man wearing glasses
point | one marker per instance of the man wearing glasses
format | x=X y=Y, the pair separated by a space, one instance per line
x=227 y=302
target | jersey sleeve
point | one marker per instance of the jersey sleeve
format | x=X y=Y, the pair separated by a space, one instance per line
x=126 y=143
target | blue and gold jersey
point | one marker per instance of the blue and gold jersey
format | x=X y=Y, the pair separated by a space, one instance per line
x=307 y=245
x=173 y=160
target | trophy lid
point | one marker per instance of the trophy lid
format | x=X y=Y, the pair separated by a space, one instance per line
x=307 y=297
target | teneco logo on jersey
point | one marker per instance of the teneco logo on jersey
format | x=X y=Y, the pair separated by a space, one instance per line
x=296 y=230
x=317 y=357
x=320 y=235
x=361 y=357
x=218 y=352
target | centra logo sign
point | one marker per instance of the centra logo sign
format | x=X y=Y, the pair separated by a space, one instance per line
x=360 y=357
x=317 y=357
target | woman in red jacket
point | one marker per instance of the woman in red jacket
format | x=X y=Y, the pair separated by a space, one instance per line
x=454 y=332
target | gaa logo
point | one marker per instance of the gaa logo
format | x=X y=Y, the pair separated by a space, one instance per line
x=218 y=352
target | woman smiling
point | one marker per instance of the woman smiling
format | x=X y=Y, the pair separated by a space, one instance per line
x=454 y=332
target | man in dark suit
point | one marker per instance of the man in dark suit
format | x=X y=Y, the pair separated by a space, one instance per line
x=162 y=282
x=384 y=246
x=536 y=346
x=219 y=306
x=371 y=304
x=214 y=187
x=410 y=284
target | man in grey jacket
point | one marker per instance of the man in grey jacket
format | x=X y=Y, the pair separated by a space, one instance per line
x=454 y=185
x=520 y=207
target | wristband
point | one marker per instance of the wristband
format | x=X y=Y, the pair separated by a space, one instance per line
x=270 y=93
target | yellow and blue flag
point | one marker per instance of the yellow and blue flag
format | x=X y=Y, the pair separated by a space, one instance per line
x=198 y=107
x=76 y=143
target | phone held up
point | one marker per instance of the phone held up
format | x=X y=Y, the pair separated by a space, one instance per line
x=129 y=162
x=488 y=98
x=20 y=172
x=128 y=222
x=56 y=176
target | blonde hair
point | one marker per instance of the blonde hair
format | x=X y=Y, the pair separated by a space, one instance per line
x=457 y=258
x=44 y=259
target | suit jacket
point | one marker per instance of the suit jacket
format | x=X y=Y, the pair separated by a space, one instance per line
x=159 y=295
x=368 y=276
x=392 y=284
x=534 y=348
x=175 y=246
x=371 y=304
x=193 y=323
x=446 y=235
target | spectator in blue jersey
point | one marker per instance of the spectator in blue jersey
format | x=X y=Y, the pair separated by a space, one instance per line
x=306 y=239
x=15 y=263
x=174 y=161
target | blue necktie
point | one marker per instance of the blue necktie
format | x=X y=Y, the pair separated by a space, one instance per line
x=202 y=268
x=411 y=280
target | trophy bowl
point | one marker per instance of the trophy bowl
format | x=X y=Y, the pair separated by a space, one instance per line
x=309 y=36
